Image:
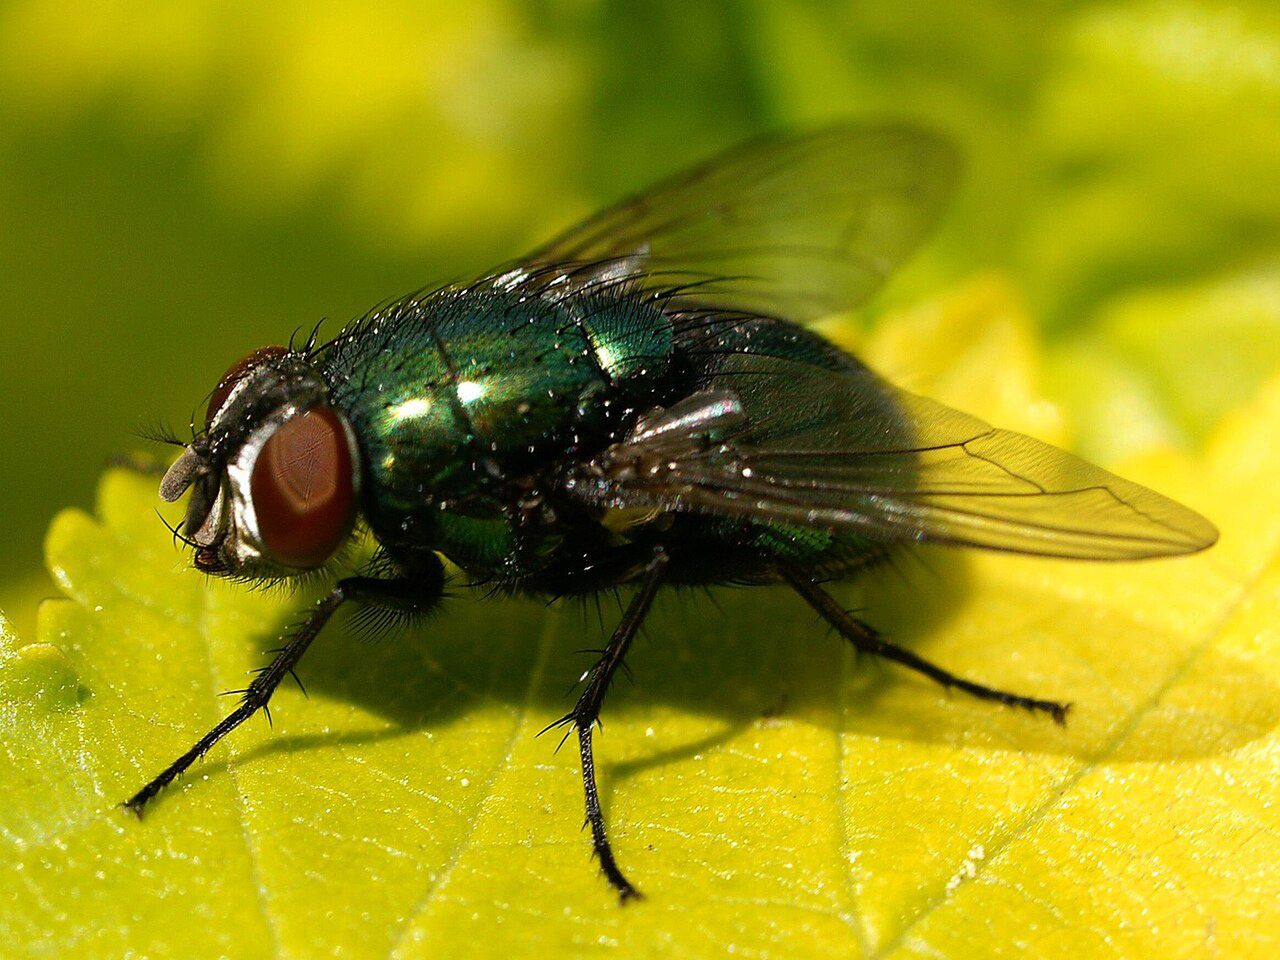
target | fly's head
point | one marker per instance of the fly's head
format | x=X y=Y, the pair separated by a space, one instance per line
x=273 y=477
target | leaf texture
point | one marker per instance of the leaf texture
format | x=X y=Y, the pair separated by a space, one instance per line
x=769 y=794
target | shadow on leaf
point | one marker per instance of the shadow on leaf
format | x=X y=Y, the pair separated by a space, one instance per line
x=746 y=656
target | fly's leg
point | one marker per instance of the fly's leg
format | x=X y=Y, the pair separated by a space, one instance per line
x=586 y=714
x=404 y=593
x=255 y=697
x=866 y=639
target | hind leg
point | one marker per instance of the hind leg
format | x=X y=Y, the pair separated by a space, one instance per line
x=866 y=639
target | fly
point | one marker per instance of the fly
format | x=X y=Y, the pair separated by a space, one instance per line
x=638 y=403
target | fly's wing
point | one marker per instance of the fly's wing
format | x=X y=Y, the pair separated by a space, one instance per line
x=797 y=226
x=774 y=439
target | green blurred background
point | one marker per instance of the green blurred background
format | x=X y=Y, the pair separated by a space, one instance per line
x=182 y=181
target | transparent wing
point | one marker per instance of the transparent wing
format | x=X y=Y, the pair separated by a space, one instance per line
x=795 y=226
x=843 y=450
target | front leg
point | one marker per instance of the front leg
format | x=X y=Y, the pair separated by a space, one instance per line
x=586 y=713
x=417 y=593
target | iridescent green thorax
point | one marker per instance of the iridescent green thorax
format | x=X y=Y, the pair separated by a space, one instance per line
x=455 y=395
x=467 y=405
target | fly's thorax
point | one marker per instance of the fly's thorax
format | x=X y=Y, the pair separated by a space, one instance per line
x=453 y=396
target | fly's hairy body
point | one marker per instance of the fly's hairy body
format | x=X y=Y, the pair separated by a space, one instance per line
x=473 y=406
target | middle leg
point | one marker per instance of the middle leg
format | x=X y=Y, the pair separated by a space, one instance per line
x=586 y=714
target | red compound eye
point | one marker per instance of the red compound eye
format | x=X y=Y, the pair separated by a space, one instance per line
x=303 y=490
x=235 y=373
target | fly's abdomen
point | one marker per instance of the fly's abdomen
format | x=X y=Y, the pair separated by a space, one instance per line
x=463 y=390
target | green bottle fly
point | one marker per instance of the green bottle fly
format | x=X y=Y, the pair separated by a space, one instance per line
x=639 y=403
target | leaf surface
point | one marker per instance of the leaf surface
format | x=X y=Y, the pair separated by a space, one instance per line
x=770 y=795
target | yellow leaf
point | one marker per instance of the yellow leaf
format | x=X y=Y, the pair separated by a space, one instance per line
x=772 y=797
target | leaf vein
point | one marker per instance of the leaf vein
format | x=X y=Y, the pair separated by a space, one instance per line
x=251 y=848
x=433 y=891
x=1055 y=794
